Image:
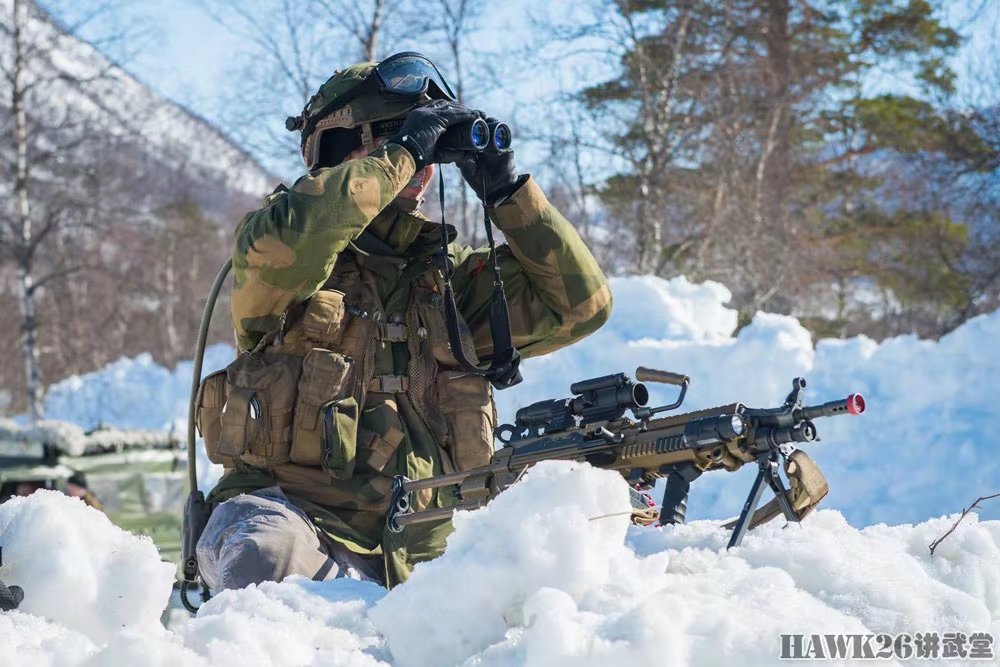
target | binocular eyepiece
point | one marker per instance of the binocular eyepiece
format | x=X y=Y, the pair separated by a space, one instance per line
x=477 y=136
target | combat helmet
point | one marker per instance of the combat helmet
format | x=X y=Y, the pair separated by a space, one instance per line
x=369 y=99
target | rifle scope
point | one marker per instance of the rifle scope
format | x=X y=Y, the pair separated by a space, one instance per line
x=599 y=399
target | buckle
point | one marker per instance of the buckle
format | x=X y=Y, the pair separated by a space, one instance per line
x=389 y=384
x=393 y=333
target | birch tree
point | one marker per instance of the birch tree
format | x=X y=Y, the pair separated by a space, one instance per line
x=49 y=188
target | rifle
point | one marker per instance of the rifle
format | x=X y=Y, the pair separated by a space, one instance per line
x=591 y=426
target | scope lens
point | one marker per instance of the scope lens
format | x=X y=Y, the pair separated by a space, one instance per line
x=640 y=394
x=501 y=137
x=479 y=134
x=737 y=423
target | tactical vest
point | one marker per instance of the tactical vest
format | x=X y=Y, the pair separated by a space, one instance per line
x=315 y=395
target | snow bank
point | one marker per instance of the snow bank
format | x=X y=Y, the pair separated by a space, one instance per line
x=87 y=582
x=925 y=447
x=549 y=574
x=133 y=392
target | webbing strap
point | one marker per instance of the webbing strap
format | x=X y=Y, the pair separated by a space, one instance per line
x=503 y=371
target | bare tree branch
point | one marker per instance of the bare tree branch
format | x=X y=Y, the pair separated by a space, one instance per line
x=975 y=504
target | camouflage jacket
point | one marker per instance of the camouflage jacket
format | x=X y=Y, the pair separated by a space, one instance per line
x=308 y=242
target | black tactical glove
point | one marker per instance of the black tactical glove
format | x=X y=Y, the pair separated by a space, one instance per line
x=425 y=125
x=491 y=173
x=10 y=597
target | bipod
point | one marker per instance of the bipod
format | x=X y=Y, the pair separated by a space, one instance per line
x=767 y=473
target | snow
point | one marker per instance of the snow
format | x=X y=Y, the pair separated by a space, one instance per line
x=549 y=574
x=81 y=570
x=536 y=578
x=924 y=447
x=133 y=392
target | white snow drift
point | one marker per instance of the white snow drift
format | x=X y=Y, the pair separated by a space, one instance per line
x=549 y=574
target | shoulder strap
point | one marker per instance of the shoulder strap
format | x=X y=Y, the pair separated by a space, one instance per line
x=503 y=371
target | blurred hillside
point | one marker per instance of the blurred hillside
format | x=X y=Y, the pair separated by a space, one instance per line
x=116 y=208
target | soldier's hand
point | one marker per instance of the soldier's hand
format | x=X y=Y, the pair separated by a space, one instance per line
x=425 y=125
x=10 y=597
x=491 y=175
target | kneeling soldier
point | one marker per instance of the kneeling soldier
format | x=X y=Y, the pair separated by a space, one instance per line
x=346 y=377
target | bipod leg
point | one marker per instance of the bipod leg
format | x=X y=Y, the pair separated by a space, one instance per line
x=774 y=481
x=743 y=523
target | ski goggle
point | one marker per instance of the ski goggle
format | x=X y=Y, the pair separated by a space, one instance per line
x=403 y=76
x=409 y=74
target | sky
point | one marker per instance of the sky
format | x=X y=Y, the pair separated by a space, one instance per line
x=188 y=56
x=191 y=56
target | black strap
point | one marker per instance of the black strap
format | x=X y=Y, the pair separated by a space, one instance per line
x=503 y=371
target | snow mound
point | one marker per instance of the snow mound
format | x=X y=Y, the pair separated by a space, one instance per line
x=131 y=393
x=79 y=570
x=549 y=574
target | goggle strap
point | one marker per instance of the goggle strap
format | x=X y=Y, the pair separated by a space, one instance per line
x=367 y=139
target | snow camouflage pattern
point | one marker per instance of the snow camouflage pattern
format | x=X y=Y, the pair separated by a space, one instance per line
x=287 y=251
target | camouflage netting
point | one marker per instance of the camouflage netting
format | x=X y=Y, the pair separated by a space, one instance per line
x=70 y=439
x=138 y=476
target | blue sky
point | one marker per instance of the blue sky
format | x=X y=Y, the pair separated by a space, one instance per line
x=191 y=55
x=188 y=56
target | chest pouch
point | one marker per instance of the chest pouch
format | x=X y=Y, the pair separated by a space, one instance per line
x=245 y=412
x=336 y=328
x=211 y=398
x=325 y=414
x=466 y=402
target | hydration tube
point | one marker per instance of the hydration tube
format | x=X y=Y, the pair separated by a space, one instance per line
x=196 y=510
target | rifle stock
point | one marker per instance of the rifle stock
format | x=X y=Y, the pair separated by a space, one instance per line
x=592 y=427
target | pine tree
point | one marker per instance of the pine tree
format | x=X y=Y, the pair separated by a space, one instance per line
x=765 y=144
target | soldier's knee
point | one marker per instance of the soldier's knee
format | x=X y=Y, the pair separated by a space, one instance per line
x=251 y=559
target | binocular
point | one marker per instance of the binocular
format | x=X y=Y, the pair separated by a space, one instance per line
x=478 y=135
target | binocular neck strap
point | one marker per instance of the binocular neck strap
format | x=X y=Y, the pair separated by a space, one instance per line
x=503 y=371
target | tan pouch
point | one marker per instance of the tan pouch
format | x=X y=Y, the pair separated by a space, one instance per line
x=466 y=402
x=212 y=394
x=381 y=433
x=340 y=437
x=324 y=379
x=256 y=420
x=325 y=318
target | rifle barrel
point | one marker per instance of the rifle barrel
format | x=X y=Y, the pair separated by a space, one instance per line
x=852 y=405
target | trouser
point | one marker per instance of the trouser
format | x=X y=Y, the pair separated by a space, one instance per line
x=262 y=536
